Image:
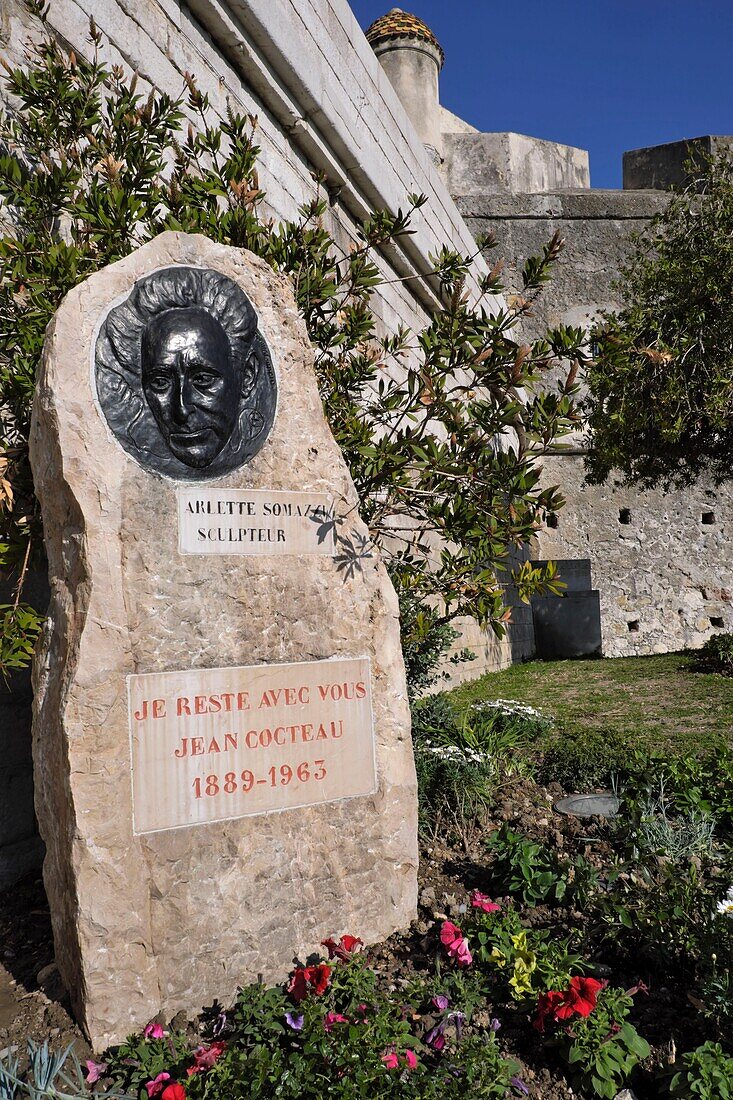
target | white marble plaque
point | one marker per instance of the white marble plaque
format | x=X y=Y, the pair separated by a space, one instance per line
x=215 y=744
x=256 y=522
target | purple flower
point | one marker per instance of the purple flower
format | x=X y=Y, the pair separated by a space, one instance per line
x=494 y=1025
x=435 y=1037
x=441 y=1002
x=519 y=1085
x=295 y=1021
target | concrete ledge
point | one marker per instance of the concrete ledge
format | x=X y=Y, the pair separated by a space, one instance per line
x=564 y=205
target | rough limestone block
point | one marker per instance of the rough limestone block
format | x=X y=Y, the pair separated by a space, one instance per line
x=173 y=919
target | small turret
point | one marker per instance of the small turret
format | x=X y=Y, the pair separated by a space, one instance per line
x=412 y=58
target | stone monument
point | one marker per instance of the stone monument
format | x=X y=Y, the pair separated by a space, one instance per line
x=223 y=764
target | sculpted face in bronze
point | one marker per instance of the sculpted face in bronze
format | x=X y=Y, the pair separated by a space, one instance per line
x=183 y=375
x=191 y=384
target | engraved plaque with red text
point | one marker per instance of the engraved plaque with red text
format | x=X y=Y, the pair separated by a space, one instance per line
x=217 y=744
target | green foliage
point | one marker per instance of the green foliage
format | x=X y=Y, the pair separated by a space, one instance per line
x=716 y=655
x=332 y=1045
x=661 y=388
x=51 y=1074
x=20 y=625
x=707 y=1074
x=510 y=728
x=462 y=766
x=693 y=784
x=584 y=759
x=434 y=717
x=659 y=900
x=534 y=874
x=522 y=962
x=524 y=869
x=426 y=640
x=455 y=784
x=602 y=1049
x=90 y=169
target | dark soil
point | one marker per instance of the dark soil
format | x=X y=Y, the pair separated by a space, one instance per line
x=33 y=1003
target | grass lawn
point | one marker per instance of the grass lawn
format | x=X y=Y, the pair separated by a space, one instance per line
x=653 y=702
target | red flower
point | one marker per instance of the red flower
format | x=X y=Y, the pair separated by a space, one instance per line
x=298 y=988
x=309 y=979
x=580 y=998
x=344 y=949
x=318 y=978
x=174 y=1092
x=205 y=1057
x=546 y=1006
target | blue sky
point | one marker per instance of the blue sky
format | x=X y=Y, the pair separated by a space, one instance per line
x=606 y=75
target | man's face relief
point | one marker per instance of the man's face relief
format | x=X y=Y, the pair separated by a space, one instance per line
x=191 y=383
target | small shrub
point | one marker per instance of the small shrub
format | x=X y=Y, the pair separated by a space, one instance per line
x=50 y=1074
x=522 y=962
x=528 y=871
x=716 y=655
x=675 y=838
x=426 y=641
x=434 y=718
x=455 y=787
x=534 y=875
x=462 y=765
x=692 y=784
x=331 y=1032
x=585 y=759
x=510 y=731
x=603 y=1048
x=707 y=1074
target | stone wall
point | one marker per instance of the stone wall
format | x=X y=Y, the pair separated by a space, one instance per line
x=324 y=104
x=663 y=562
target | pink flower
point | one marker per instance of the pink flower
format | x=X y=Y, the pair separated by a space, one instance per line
x=332 y=1018
x=481 y=901
x=156 y=1087
x=455 y=943
x=153 y=1031
x=95 y=1071
x=392 y=1061
x=205 y=1057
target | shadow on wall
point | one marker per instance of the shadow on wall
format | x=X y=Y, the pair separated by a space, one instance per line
x=21 y=848
x=568 y=626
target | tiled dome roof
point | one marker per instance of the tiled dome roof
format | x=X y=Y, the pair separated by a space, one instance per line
x=401 y=24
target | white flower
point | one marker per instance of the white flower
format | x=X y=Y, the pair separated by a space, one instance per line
x=725 y=907
x=511 y=707
x=456 y=754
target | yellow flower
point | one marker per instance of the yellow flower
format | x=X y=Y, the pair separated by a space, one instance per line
x=497 y=957
x=525 y=961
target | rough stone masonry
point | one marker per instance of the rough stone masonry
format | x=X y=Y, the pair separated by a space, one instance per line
x=223 y=765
